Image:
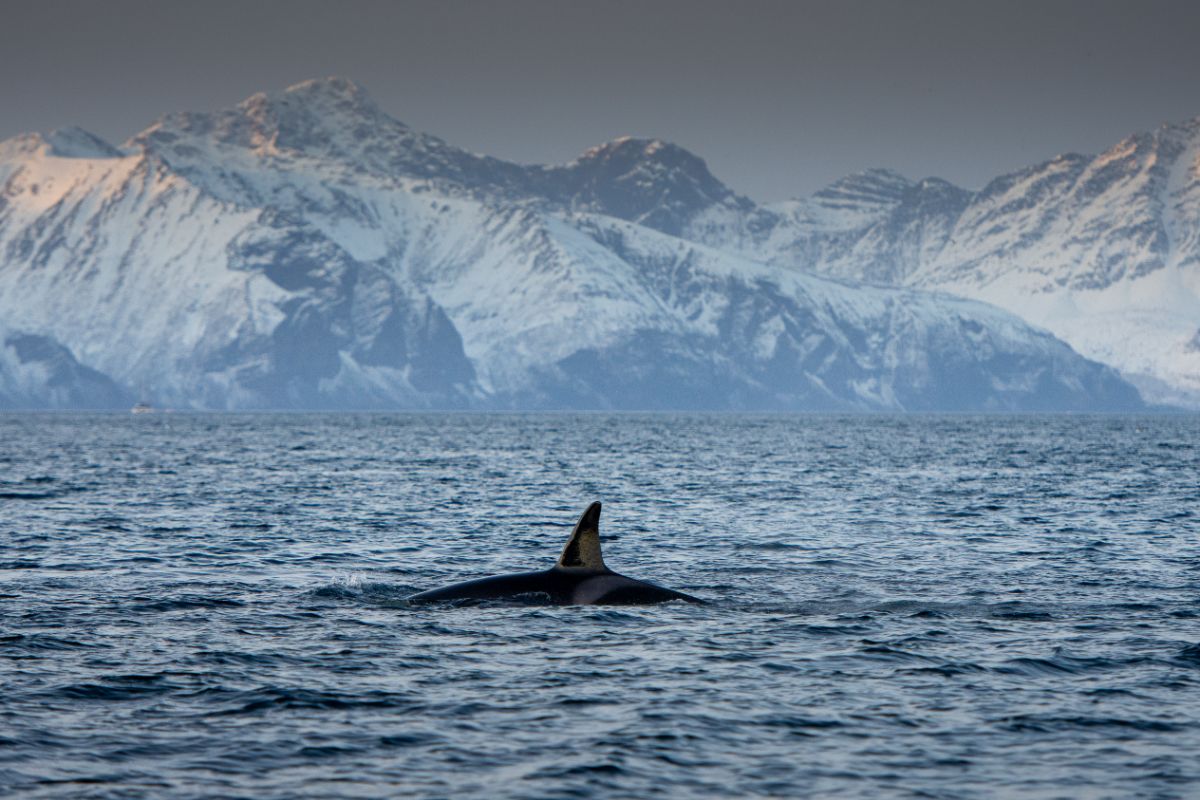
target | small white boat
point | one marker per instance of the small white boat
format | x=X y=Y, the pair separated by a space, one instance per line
x=142 y=408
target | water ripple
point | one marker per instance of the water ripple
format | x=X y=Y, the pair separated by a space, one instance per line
x=208 y=605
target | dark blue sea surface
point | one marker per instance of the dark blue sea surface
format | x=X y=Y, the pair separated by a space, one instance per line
x=948 y=607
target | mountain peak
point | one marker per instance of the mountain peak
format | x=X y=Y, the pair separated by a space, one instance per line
x=69 y=142
x=74 y=142
x=333 y=95
x=325 y=117
x=329 y=86
x=629 y=147
x=649 y=181
x=873 y=187
x=322 y=103
x=628 y=152
x=877 y=181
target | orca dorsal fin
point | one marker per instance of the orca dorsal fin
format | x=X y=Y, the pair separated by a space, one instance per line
x=583 y=548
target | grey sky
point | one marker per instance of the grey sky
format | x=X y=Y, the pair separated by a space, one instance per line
x=780 y=98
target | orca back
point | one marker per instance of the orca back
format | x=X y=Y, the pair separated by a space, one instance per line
x=580 y=577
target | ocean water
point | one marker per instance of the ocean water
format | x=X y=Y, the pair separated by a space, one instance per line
x=945 y=607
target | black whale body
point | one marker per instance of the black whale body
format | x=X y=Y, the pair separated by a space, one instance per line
x=579 y=578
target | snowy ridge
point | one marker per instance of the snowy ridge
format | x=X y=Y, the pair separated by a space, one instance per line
x=306 y=250
x=1103 y=251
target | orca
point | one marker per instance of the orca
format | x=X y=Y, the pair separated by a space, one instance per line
x=579 y=578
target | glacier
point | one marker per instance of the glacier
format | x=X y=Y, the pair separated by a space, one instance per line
x=304 y=249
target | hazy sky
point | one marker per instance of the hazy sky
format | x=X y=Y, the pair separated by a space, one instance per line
x=779 y=98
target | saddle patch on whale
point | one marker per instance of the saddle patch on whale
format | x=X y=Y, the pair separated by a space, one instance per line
x=579 y=577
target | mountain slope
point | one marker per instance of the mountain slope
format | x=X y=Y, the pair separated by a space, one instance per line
x=195 y=300
x=37 y=372
x=305 y=250
x=1103 y=251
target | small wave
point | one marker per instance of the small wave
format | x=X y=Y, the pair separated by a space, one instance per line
x=39 y=642
x=879 y=652
x=795 y=723
x=1189 y=655
x=336 y=592
x=1050 y=724
x=930 y=613
x=228 y=657
x=34 y=487
x=579 y=770
x=128 y=687
x=834 y=631
x=1110 y=691
x=27 y=495
x=1016 y=611
x=251 y=526
x=948 y=670
x=407 y=740
x=1174 y=516
x=110 y=523
x=918 y=609
x=1063 y=664
x=356 y=588
x=325 y=751
x=1152 y=607
x=185 y=604
x=769 y=546
x=1032 y=667
x=273 y=698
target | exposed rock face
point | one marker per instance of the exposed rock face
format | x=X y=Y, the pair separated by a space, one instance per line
x=37 y=372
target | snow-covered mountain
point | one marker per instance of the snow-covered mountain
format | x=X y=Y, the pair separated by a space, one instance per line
x=37 y=372
x=1104 y=251
x=304 y=249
